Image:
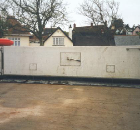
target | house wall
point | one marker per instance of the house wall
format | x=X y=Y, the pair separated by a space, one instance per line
x=136 y=30
x=100 y=62
x=126 y=40
x=24 y=41
x=67 y=42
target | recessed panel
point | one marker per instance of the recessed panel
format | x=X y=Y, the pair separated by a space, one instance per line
x=110 y=68
x=70 y=58
x=33 y=66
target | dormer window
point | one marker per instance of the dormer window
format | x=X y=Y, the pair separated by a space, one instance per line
x=58 y=41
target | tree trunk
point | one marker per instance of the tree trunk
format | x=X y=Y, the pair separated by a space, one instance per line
x=41 y=42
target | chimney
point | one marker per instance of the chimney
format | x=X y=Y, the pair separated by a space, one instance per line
x=70 y=32
x=74 y=25
x=91 y=24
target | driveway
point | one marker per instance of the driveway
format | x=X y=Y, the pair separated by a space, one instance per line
x=63 y=107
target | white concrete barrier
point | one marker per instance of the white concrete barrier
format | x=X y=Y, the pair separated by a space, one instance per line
x=34 y=44
x=100 y=62
x=0 y=60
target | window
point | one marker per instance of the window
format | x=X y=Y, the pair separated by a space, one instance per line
x=58 y=41
x=16 y=40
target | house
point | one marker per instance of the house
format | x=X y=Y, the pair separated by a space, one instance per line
x=53 y=37
x=58 y=38
x=129 y=31
x=91 y=36
x=124 y=31
x=136 y=30
x=16 y=33
x=125 y=40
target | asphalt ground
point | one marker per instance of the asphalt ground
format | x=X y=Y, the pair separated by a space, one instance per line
x=68 y=107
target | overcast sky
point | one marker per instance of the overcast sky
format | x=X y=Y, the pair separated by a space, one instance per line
x=128 y=9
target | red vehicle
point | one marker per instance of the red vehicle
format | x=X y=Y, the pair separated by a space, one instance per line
x=6 y=42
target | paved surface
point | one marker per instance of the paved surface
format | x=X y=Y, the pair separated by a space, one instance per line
x=61 y=107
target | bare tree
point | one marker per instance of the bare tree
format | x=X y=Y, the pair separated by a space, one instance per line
x=99 y=11
x=34 y=15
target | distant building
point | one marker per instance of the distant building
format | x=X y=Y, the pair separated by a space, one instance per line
x=122 y=40
x=91 y=36
x=124 y=31
x=53 y=37
x=136 y=30
x=17 y=33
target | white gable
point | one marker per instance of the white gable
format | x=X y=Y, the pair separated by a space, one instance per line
x=58 y=34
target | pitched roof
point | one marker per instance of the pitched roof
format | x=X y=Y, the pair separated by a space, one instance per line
x=137 y=27
x=15 y=27
x=48 y=31
x=91 y=36
x=88 y=29
x=121 y=40
x=33 y=39
x=92 y=41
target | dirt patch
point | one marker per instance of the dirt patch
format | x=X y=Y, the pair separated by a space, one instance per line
x=63 y=107
x=7 y=114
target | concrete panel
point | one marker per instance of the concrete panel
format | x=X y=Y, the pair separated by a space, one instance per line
x=0 y=60
x=99 y=62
